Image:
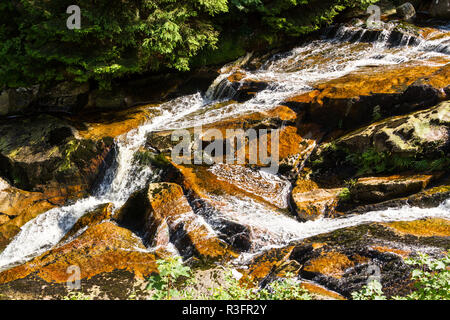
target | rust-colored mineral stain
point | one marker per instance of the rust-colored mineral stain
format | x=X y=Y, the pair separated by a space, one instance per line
x=433 y=227
x=330 y=263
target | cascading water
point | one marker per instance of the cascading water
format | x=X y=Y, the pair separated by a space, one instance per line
x=288 y=74
x=283 y=230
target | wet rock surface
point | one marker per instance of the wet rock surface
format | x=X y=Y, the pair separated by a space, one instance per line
x=344 y=260
x=43 y=153
x=103 y=248
x=165 y=216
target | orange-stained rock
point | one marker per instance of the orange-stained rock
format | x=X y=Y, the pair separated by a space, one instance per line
x=230 y=180
x=270 y=119
x=414 y=142
x=370 y=93
x=239 y=87
x=376 y=189
x=439 y=79
x=421 y=131
x=236 y=76
x=321 y=292
x=45 y=154
x=163 y=210
x=330 y=263
x=399 y=252
x=216 y=191
x=112 y=124
x=102 y=248
x=102 y=212
x=431 y=227
x=19 y=206
x=265 y=264
x=275 y=263
x=169 y=205
x=295 y=144
x=315 y=203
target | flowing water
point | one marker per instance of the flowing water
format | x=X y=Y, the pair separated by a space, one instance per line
x=288 y=74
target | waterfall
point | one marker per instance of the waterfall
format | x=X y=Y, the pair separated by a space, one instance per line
x=288 y=74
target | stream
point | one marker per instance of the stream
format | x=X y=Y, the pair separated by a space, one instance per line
x=288 y=74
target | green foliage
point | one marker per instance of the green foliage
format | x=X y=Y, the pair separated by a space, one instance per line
x=432 y=278
x=73 y=295
x=432 y=281
x=149 y=158
x=376 y=114
x=117 y=37
x=345 y=194
x=163 y=285
x=371 y=161
x=372 y=291
x=176 y=280
x=297 y=17
x=285 y=289
x=120 y=38
x=233 y=290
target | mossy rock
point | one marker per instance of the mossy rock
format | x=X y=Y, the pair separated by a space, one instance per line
x=44 y=151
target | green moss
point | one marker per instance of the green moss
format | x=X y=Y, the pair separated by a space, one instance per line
x=345 y=194
x=146 y=158
x=70 y=148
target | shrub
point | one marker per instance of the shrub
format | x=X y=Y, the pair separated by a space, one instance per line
x=175 y=281
x=72 y=295
x=164 y=284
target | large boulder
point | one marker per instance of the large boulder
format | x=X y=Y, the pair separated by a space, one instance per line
x=162 y=214
x=296 y=141
x=372 y=94
x=418 y=141
x=228 y=195
x=102 y=248
x=377 y=189
x=67 y=97
x=344 y=260
x=17 y=207
x=17 y=101
x=406 y=11
x=89 y=219
x=45 y=153
x=311 y=202
x=421 y=132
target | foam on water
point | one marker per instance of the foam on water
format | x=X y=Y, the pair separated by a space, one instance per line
x=277 y=229
x=43 y=232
